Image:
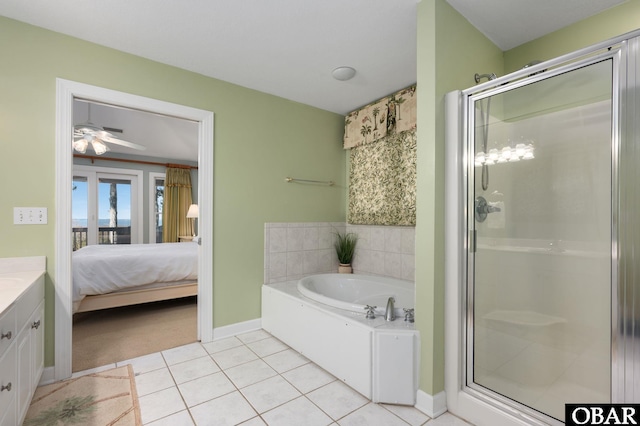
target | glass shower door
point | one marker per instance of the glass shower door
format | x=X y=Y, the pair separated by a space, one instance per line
x=539 y=272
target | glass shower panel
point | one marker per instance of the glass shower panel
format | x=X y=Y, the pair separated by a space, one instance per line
x=540 y=277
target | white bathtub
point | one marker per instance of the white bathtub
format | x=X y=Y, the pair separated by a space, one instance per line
x=323 y=318
x=353 y=292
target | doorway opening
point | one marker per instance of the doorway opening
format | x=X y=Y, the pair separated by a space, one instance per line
x=66 y=92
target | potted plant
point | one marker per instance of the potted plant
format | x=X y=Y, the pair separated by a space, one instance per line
x=345 y=248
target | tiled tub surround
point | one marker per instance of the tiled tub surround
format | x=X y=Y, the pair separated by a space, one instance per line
x=385 y=250
x=294 y=250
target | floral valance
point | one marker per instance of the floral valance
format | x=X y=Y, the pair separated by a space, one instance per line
x=393 y=114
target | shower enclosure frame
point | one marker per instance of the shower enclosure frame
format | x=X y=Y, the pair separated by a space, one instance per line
x=474 y=402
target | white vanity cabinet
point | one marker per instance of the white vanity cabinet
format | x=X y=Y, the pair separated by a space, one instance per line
x=21 y=345
x=8 y=373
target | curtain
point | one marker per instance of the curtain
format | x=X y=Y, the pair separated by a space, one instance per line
x=382 y=180
x=177 y=199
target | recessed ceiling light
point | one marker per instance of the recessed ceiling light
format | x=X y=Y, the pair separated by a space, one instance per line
x=343 y=73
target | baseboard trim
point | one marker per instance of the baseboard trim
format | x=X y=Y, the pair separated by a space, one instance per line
x=48 y=376
x=237 y=328
x=432 y=405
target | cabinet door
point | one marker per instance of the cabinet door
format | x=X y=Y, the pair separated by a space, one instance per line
x=8 y=386
x=37 y=345
x=25 y=367
x=30 y=347
x=8 y=417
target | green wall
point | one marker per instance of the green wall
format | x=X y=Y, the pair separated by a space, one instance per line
x=259 y=139
x=608 y=24
x=450 y=52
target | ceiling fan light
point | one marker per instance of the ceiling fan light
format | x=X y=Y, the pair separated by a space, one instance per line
x=102 y=134
x=99 y=147
x=80 y=145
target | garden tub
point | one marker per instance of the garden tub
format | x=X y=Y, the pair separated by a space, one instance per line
x=353 y=292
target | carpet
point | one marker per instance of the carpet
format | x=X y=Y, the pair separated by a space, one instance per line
x=108 y=398
x=113 y=335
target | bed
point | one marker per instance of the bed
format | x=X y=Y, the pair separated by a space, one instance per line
x=107 y=276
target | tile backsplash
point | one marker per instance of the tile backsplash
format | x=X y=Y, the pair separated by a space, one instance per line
x=385 y=250
x=295 y=250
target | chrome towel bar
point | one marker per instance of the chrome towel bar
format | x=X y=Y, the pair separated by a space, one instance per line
x=290 y=179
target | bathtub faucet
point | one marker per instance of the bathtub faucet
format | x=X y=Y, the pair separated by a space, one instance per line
x=390 y=315
x=409 y=315
x=371 y=311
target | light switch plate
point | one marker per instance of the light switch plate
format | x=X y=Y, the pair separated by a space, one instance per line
x=29 y=215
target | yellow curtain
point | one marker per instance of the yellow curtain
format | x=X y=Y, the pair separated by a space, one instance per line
x=177 y=199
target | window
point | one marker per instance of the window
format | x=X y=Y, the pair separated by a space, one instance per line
x=114 y=209
x=105 y=206
x=80 y=211
x=156 y=201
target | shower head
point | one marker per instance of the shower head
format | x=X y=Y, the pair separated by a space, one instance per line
x=479 y=77
x=532 y=63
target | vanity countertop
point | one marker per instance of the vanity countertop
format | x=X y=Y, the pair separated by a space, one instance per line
x=16 y=275
x=13 y=284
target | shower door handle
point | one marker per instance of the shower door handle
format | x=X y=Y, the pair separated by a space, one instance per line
x=473 y=236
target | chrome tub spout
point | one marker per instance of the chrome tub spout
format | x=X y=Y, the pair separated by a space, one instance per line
x=390 y=315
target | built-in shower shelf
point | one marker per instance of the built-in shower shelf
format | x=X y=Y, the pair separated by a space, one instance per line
x=528 y=318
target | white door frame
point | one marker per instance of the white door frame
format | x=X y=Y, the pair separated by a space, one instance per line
x=66 y=91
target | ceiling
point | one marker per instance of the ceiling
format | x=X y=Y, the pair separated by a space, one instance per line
x=510 y=23
x=288 y=48
x=169 y=138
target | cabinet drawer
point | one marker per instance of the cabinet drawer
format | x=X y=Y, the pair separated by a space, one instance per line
x=29 y=301
x=8 y=375
x=8 y=325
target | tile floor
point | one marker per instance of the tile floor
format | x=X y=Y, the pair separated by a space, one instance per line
x=254 y=379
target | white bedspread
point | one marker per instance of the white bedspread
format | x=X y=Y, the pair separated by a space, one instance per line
x=99 y=269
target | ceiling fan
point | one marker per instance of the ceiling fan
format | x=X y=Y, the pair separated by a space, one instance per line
x=89 y=133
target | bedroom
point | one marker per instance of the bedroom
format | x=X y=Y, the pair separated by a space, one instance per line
x=122 y=192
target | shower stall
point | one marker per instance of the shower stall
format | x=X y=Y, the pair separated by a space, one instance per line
x=543 y=238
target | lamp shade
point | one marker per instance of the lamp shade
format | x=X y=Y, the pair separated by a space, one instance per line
x=81 y=145
x=99 y=147
x=192 y=213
